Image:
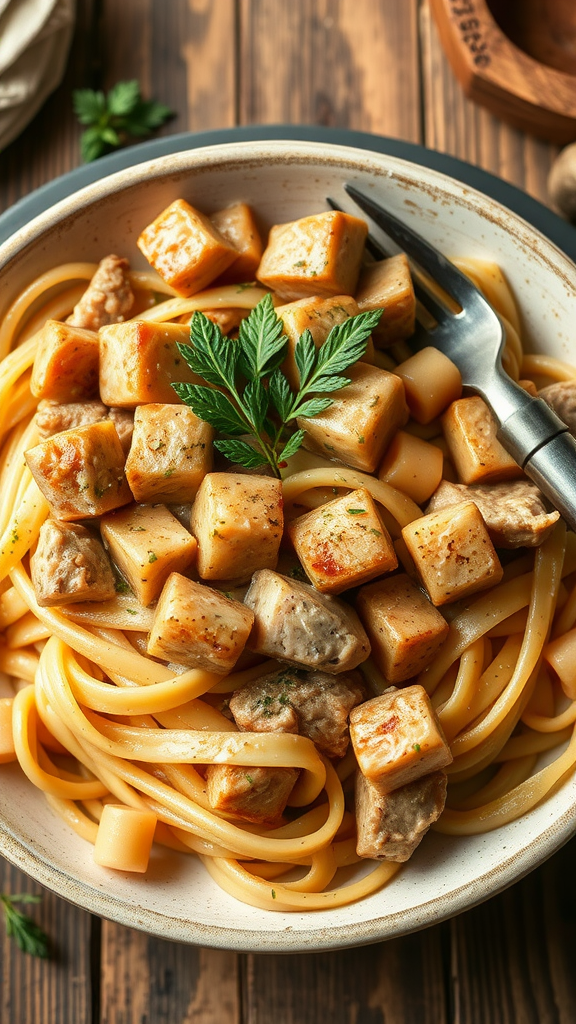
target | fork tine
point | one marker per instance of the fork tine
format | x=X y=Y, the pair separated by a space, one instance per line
x=422 y=293
x=429 y=258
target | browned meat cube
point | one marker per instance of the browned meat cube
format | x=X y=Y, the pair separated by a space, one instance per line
x=81 y=471
x=252 y=794
x=343 y=543
x=317 y=255
x=66 y=363
x=170 y=455
x=313 y=704
x=561 y=397
x=108 y=298
x=363 y=418
x=54 y=417
x=139 y=362
x=391 y=825
x=514 y=512
x=397 y=737
x=453 y=553
x=148 y=543
x=405 y=630
x=185 y=248
x=387 y=285
x=70 y=565
x=470 y=431
x=237 y=520
x=237 y=225
x=294 y=622
x=197 y=626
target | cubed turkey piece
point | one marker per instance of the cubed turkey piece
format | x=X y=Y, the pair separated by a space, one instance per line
x=70 y=565
x=171 y=453
x=66 y=363
x=185 y=248
x=313 y=704
x=514 y=512
x=561 y=397
x=387 y=285
x=471 y=431
x=238 y=227
x=317 y=255
x=238 y=522
x=317 y=315
x=198 y=626
x=252 y=794
x=343 y=543
x=404 y=628
x=391 y=825
x=295 y=623
x=362 y=420
x=147 y=543
x=139 y=362
x=453 y=553
x=54 y=417
x=81 y=471
x=397 y=737
x=108 y=298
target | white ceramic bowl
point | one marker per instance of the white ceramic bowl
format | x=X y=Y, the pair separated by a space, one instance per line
x=284 y=180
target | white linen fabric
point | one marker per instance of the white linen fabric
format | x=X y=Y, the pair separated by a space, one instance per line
x=35 y=37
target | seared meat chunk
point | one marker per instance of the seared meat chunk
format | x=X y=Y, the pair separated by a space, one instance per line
x=514 y=511
x=253 y=794
x=69 y=565
x=561 y=397
x=108 y=298
x=297 y=624
x=312 y=704
x=54 y=417
x=391 y=825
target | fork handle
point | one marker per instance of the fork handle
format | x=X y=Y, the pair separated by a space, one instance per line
x=539 y=442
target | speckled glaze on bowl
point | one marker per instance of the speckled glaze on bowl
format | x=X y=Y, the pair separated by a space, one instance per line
x=283 y=180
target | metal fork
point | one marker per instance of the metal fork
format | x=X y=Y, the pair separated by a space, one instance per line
x=473 y=339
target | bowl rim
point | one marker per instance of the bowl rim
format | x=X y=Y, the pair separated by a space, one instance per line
x=324 y=937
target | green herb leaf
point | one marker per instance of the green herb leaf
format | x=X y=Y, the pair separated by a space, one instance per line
x=346 y=343
x=29 y=937
x=305 y=355
x=255 y=398
x=113 y=118
x=242 y=453
x=211 y=354
x=313 y=407
x=292 y=446
x=331 y=383
x=123 y=98
x=280 y=395
x=88 y=105
x=213 y=407
x=262 y=342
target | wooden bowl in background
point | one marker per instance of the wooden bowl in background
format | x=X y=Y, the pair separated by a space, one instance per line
x=517 y=58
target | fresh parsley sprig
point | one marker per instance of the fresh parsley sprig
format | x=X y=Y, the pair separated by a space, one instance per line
x=250 y=395
x=28 y=935
x=114 y=118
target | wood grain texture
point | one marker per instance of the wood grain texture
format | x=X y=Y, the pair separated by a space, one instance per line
x=147 y=979
x=54 y=991
x=455 y=125
x=397 y=982
x=322 y=64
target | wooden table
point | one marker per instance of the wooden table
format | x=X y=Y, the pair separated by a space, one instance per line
x=374 y=65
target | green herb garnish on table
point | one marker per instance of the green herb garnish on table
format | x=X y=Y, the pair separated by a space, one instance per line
x=28 y=935
x=114 y=118
x=256 y=400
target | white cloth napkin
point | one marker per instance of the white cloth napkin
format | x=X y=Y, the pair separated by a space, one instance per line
x=35 y=37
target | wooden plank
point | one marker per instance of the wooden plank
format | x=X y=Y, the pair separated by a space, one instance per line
x=455 y=125
x=322 y=64
x=54 y=991
x=183 y=54
x=147 y=979
x=397 y=982
x=512 y=957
